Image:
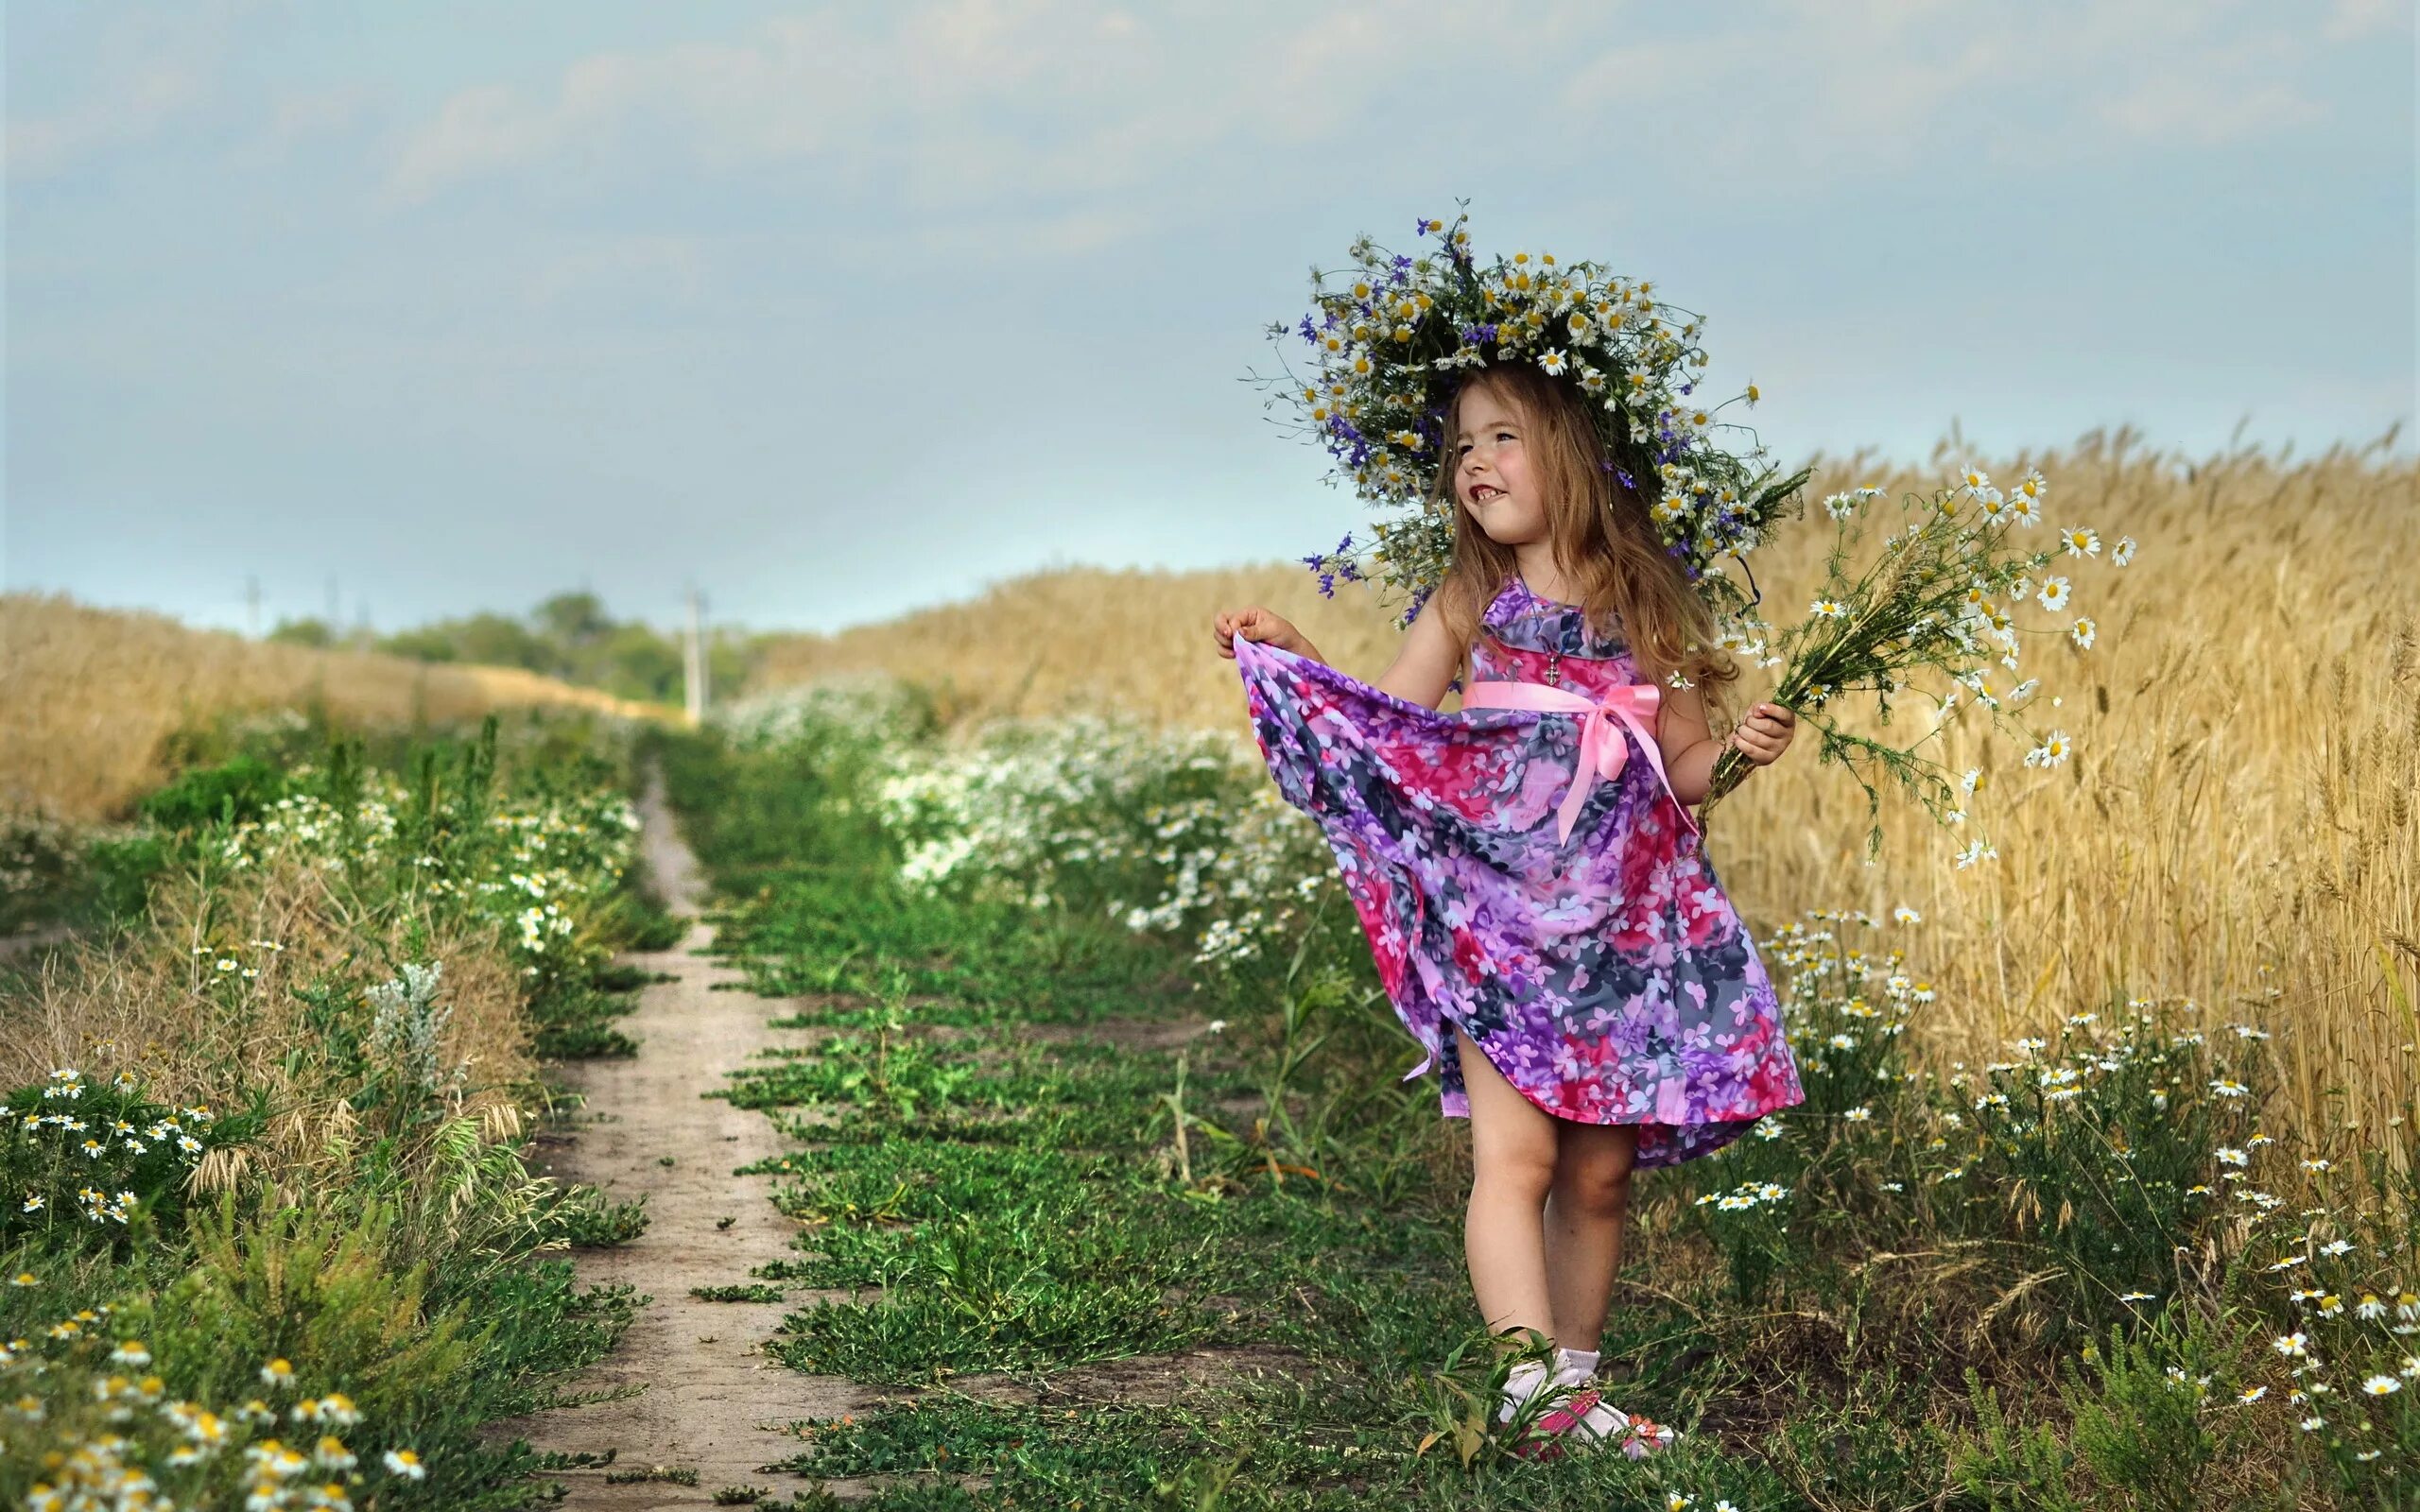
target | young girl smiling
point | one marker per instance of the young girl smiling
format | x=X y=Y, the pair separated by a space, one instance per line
x=1528 y=872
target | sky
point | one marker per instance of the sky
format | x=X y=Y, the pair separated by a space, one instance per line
x=836 y=311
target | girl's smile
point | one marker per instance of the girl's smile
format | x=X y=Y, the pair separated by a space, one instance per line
x=1491 y=471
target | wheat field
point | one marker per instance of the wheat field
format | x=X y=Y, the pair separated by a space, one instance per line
x=2237 y=825
x=88 y=696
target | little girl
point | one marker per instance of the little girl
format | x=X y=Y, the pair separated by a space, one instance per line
x=1528 y=871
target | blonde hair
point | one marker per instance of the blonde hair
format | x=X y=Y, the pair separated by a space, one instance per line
x=1604 y=542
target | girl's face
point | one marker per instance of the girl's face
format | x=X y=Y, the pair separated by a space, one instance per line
x=1491 y=471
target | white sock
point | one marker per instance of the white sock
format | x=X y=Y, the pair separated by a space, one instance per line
x=1571 y=1368
x=1528 y=1379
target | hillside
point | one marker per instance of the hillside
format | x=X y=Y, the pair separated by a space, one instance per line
x=91 y=695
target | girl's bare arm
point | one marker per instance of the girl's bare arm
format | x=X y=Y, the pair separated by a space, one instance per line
x=1424 y=664
x=1419 y=673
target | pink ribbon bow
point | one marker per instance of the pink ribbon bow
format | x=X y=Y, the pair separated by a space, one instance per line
x=1603 y=753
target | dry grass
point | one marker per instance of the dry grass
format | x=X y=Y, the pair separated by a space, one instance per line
x=90 y=694
x=1088 y=638
x=152 y=1002
x=2236 y=826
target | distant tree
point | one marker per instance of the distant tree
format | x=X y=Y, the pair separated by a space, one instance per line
x=731 y=662
x=430 y=643
x=311 y=633
x=573 y=620
x=569 y=636
x=640 y=663
x=500 y=641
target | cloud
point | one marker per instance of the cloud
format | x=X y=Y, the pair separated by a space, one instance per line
x=672 y=269
x=2349 y=20
x=1852 y=87
x=314 y=113
x=949 y=105
x=2208 y=109
x=134 y=105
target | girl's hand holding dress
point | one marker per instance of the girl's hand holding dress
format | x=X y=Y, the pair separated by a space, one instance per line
x=1256 y=623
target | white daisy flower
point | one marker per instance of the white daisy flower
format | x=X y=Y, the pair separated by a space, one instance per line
x=2053 y=751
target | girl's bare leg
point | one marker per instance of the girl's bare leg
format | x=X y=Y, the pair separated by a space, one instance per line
x=1587 y=1208
x=1513 y=1159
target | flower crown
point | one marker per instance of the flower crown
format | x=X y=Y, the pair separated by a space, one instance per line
x=1391 y=341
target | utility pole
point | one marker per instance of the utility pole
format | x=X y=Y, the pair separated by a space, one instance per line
x=252 y=605
x=692 y=678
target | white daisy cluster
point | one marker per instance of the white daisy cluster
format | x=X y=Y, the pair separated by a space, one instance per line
x=1390 y=337
x=1243 y=872
x=91 y=1151
x=2088 y=1054
x=1746 y=1195
x=308 y=827
x=1847 y=1004
x=92 y=1427
x=1019 y=806
x=1170 y=832
x=543 y=860
x=872 y=710
x=549 y=860
x=2353 y=1348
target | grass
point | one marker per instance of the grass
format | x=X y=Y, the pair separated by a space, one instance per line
x=1022 y=1152
x=264 y=1136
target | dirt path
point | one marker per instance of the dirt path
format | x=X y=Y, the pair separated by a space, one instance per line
x=714 y=1402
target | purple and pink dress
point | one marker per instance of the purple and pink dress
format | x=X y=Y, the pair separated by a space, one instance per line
x=1605 y=975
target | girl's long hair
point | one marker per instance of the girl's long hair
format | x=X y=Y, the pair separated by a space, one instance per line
x=1604 y=541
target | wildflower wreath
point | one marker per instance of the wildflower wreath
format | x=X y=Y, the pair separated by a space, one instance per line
x=1389 y=340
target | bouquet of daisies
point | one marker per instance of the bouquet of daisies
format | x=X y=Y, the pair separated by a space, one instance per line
x=1940 y=596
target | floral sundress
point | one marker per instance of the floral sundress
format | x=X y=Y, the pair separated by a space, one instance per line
x=1607 y=976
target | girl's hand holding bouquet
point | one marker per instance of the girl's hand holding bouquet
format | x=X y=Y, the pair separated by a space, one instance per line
x=1763 y=735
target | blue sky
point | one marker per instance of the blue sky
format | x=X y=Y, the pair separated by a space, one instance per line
x=839 y=310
